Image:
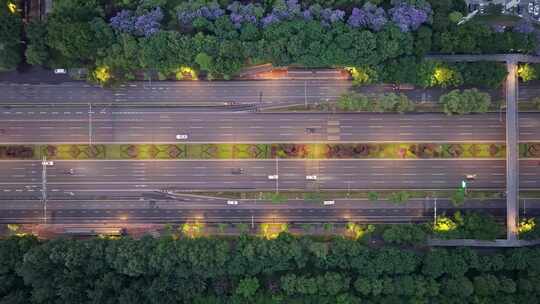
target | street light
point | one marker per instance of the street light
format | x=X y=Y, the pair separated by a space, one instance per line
x=44 y=164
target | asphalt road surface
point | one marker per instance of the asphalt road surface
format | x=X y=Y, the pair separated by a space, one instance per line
x=22 y=179
x=274 y=92
x=344 y=210
x=142 y=125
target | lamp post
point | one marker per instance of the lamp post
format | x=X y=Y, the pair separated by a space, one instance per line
x=434 y=211
x=90 y=124
x=277 y=175
x=44 y=165
x=305 y=94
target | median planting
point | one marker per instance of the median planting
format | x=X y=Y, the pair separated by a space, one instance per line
x=265 y=151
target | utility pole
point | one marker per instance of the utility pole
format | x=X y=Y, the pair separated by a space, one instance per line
x=305 y=94
x=89 y=124
x=44 y=187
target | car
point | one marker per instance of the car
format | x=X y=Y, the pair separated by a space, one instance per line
x=71 y=171
x=232 y=202
x=47 y=163
x=536 y=10
x=181 y=136
x=275 y=176
x=470 y=177
x=327 y=203
x=531 y=8
x=60 y=71
x=310 y=130
x=237 y=171
x=311 y=177
x=230 y=103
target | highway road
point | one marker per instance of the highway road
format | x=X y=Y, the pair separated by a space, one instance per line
x=142 y=125
x=274 y=92
x=344 y=210
x=22 y=179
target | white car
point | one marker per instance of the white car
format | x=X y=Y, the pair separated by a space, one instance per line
x=232 y=202
x=47 y=163
x=326 y=203
x=60 y=71
x=470 y=177
x=181 y=136
x=275 y=176
x=311 y=177
x=531 y=8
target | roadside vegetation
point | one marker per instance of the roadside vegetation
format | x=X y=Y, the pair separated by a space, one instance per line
x=275 y=267
x=169 y=39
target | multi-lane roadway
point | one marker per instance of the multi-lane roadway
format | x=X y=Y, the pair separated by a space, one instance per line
x=216 y=210
x=87 y=179
x=265 y=93
x=102 y=124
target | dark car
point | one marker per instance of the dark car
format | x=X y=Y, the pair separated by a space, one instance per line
x=237 y=171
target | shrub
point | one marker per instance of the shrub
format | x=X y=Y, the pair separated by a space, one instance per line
x=466 y=102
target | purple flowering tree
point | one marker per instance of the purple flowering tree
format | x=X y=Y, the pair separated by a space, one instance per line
x=283 y=10
x=124 y=21
x=146 y=24
x=408 y=17
x=369 y=16
x=188 y=11
x=249 y=13
x=332 y=16
x=149 y=23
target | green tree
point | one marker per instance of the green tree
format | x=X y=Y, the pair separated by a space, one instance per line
x=247 y=287
x=527 y=72
x=404 y=234
x=373 y=196
x=466 y=102
x=37 y=52
x=10 y=37
x=204 y=61
x=458 y=198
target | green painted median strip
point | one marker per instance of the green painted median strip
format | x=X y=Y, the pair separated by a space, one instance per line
x=264 y=151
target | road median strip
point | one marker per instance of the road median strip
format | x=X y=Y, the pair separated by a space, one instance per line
x=315 y=151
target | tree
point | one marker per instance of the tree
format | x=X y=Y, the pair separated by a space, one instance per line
x=393 y=103
x=455 y=16
x=247 y=287
x=483 y=73
x=373 y=196
x=404 y=234
x=527 y=72
x=77 y=32
x=466 y=102
x=458 y=198
x=37 y=52
x=10 y=37
x=204 y=61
